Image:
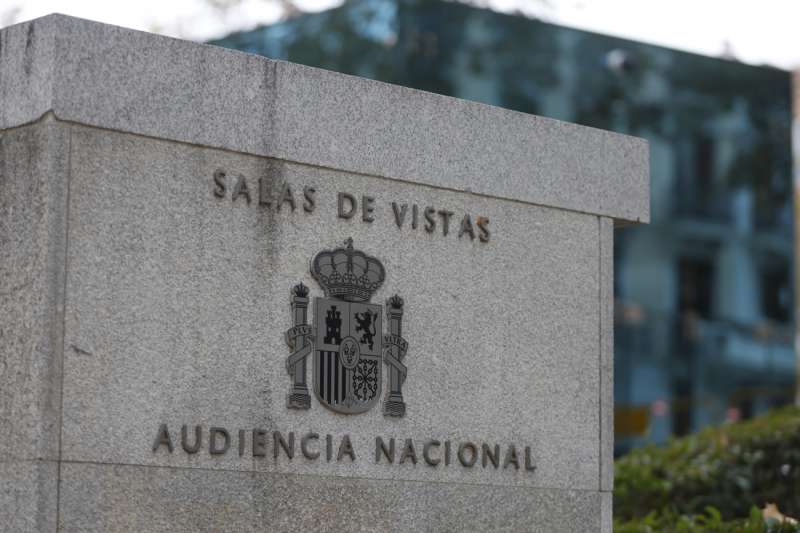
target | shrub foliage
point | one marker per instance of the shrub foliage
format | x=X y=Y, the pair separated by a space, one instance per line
x=717 y=475
x=709 y=522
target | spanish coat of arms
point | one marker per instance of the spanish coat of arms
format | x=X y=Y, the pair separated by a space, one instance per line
x=345 y=339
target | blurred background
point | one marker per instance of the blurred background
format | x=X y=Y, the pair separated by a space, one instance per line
x=705 y=303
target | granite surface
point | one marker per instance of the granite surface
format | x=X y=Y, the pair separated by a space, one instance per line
x=33 y=198
x=167 y=322
x=141 y=83
x=140 y=287
x=28 y=496
x=178 y=302
x=606 y=243
x=111 y=498
x=606 y=512
x=26 y=67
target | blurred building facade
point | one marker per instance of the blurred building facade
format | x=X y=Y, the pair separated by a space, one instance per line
x=704 y=301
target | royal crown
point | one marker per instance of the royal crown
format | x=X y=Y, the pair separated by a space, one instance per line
x=347 y=274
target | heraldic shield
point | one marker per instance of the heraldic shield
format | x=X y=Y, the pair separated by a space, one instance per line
x=345 y=339
x=347 y=360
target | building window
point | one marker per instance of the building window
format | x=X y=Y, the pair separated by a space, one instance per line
x=776 y=293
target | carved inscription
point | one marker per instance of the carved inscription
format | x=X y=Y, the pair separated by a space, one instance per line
x=313 y=446
x=265 y=192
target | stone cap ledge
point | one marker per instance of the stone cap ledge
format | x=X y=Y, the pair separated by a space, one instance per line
x=131 y=81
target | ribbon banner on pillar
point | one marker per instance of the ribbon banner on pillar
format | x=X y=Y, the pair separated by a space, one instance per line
x=346 y=340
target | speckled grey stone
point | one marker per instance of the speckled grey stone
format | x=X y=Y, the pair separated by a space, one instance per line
x=606 y=512
x=606 y=242
x=26 y=72
x=33 y=197
x=28 y=496
x=179 y=300
x=111 y=498
x=138 y=298
x=135 y=82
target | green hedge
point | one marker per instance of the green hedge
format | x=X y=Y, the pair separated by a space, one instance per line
x=712 y=479
x=709 y=522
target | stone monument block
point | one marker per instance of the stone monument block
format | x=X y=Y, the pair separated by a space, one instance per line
x=244 y=294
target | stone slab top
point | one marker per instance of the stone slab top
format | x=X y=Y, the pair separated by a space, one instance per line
x=130 y=81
